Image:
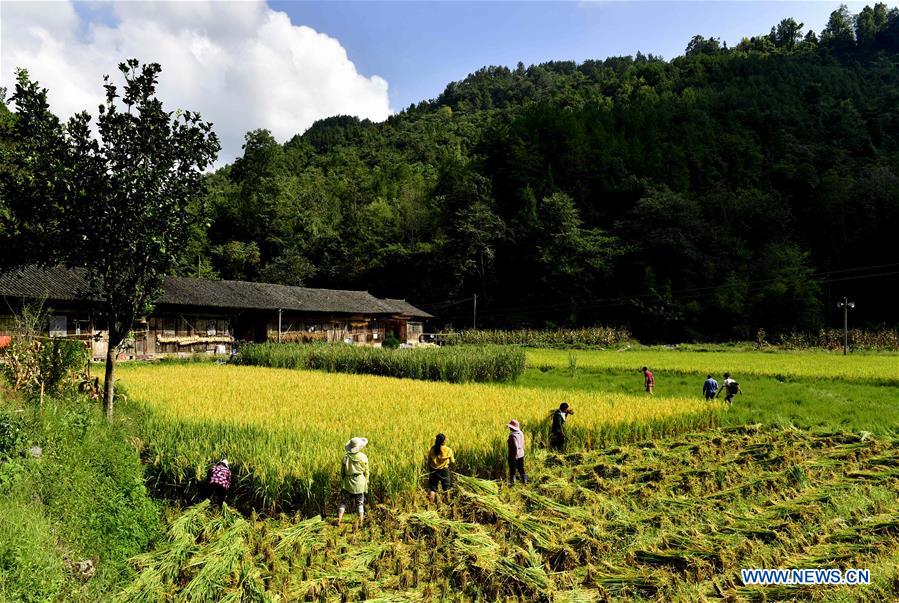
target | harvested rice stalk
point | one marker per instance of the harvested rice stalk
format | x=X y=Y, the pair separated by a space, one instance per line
x=218 y=562
x=525 y=524
x=478 y=486
x=532 y=576
x=579 y=595
x=301 y=536
x=548 y=504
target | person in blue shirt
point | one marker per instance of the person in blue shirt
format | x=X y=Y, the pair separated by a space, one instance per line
x=709 y=388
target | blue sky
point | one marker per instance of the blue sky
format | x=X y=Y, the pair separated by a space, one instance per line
x=283 y=65
x=418 y=47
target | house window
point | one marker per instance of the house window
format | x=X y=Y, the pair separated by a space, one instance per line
x=58 y=326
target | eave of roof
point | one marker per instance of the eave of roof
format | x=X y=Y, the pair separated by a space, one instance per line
x=61 y=284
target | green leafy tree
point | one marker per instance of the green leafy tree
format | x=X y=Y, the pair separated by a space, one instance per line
x=702 y=45
x=839 y=32
x=117 y=203
x=570 y=258
x=869 y=22
x=787 y=34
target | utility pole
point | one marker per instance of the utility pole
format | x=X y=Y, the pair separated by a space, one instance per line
x=279 y=325
x=474 y=318
x=845 y=304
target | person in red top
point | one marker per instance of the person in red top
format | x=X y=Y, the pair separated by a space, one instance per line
x=648 y=380
x=218 y=481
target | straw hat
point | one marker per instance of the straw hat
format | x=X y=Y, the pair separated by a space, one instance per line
x=513 y=424
x=224 y=462
x=356 y=444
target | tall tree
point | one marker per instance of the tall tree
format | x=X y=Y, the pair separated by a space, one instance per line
x=787 y=33
x=839 y=33
x=116 y=204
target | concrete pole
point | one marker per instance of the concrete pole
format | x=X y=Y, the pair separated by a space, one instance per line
x=845 y=326
x=279 y=325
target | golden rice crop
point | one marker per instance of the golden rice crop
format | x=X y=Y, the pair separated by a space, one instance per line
x=283 y=430
x=863 y=367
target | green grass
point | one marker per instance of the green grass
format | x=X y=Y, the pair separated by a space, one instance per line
x=31 y=567
x=802 y=402
x=82 y=498
x=877 y=368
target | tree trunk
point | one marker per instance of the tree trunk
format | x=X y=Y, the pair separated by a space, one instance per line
x=116 y=336
x=109 y=383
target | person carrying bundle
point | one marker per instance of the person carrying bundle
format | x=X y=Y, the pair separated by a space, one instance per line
x=731 y=387
x=440 y=457
x=354 y=473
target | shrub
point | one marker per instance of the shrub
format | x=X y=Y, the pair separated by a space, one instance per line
x=583 y=336
x=41 y=366
x=453 y=364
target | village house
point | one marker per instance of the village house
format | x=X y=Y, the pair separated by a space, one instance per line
x=198 y=315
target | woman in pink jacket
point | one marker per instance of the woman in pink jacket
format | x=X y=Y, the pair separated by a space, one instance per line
x=516 y=452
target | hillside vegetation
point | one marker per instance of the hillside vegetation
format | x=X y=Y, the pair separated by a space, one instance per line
x=706 y=196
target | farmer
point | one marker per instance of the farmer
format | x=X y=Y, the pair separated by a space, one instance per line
x=648 y=380
x=218 y=480
x=354 y=478
x=557 y=431
x=731 y=387
x=709 y=388
x=440 y=457
x=516 y=452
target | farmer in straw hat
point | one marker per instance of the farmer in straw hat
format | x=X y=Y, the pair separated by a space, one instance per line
x=354 y=478
x=516 y=452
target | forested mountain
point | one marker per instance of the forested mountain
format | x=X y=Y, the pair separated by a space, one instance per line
x=707 y=196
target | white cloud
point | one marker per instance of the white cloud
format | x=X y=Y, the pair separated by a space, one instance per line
x=240 y=64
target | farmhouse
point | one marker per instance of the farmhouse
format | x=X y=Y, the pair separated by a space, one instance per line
x=198 y=315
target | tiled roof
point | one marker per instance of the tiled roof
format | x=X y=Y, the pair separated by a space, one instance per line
x=403 y=307
x=60 y=284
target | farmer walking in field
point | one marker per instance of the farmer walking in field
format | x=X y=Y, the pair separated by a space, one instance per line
x=516 y=452
x=709 y=388
x=354 y=474
x=731 y=389
x=557 y=431
x=440 y=457
x=648 y=380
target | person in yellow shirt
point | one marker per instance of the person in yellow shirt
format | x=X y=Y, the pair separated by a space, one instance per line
x=440 y=457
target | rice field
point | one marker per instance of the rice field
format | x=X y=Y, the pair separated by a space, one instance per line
x=670 y=520
x=283 y=430
x=876 y=368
